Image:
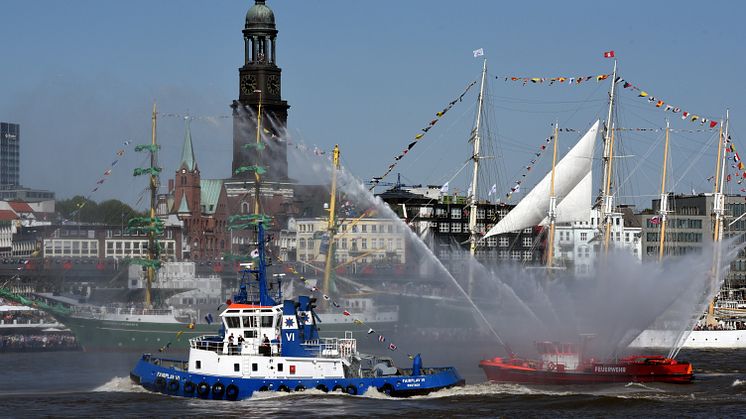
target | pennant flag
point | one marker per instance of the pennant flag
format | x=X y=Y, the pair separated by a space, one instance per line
x=381 y=338
x=493 y=190
x=356 y=321
x=478 y=52
x=444 y=188
x=371 y=331
x=643 y=94
x=609 y=54
x=107 y=173
x=190 y=325
x=346 y=313
x=602 y=77
x=179 y=333
x=335 y=304
x=392 y=346
x=100 y=181
x=326 y=297
x=659 y=104
x=684 y=115
x=655 y=220
x=712 y=124
x=120 y=153
x=627 y=84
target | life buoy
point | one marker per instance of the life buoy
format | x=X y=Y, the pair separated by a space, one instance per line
x=351 y=390
x=189 y=387
x=173 y=386
x=160 y=383
x=203 y=389
x=231 y=392
x=218 y=389
x=551 y=366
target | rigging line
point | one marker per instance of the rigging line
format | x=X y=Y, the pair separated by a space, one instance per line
x=696 y=159
x=430 y=144
x=543 y=102
x=640 y=161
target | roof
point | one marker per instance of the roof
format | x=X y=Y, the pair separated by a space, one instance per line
x=8 y=215
x=20 y=206
x=187 y=153
x=209 y=194
x=260 y=15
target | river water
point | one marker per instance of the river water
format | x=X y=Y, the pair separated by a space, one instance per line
x=78 y=384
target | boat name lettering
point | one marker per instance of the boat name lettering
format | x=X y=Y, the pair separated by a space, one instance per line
x=168 y=376
x=610 y=369
x=413 y=382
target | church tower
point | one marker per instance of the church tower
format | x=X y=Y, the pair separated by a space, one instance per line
x=260 y=83
x=187 y=189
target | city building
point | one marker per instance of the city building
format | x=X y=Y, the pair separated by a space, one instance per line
x=201 y=207
x=577 y=244
x=10 y=166
x=442 y=222
x=364 y=245
x=83 y=241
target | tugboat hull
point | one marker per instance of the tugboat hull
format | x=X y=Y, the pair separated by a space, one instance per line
x=170 y=377
x=642 y=370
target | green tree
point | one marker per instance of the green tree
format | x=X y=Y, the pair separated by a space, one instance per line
x=111 y=212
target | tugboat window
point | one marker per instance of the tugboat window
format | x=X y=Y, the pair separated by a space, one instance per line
x=236 y=368
x=198 y=365
x=266 y=321
x=279 y=367
x=233 y=322
x=255 y=367
x=249 y=334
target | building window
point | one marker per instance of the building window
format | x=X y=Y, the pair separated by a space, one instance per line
x=504 y=242
x=456 y=228
x=456 y=213
x=527 y=242
x=364 y=243
x=363 y=228
x=504 y=254
x=526 y=255
x=583 y=236
x=444 y=227
x=515 y=255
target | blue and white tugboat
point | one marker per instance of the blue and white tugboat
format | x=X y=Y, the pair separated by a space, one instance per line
x=266 y=345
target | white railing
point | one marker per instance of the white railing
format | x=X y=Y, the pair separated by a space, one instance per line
x=93 y=311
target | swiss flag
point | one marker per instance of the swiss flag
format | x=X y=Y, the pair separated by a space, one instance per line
x=609 y=54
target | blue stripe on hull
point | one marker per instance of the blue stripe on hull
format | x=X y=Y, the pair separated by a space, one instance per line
x=177 y=382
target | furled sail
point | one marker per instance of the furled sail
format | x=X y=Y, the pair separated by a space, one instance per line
x=572 y=187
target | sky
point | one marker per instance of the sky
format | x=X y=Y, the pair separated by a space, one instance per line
x=81 y=76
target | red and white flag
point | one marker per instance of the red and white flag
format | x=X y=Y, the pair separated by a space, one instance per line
x=609 y=54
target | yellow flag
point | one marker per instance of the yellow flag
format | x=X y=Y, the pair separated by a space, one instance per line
x=418 y=136
x=643 y=94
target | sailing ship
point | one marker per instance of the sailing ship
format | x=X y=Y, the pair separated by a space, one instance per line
x=127 y=326
x=723 y=326
x=565 y=195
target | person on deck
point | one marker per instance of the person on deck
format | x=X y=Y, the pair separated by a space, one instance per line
x=265 y=349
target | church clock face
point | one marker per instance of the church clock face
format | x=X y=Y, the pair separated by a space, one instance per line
x=273 y=84
x=248 y=84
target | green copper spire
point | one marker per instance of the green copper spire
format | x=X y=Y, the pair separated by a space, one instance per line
x=183 y=206
x=187 y=153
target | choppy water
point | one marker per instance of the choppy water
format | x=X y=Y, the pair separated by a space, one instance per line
x=70 y=384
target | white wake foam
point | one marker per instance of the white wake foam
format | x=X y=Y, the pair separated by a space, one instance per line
x=738 y=382
x=120 y=385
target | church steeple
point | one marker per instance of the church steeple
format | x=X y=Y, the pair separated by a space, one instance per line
x=260 y=80
x=187 y=152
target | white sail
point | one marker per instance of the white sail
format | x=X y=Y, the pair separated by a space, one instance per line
x=572 y=187
x=576 y=206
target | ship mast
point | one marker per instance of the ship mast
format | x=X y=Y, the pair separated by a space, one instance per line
x=663 y=210
x=718 y=209
x=607 y=202
x=552 y=201
x=257 y=179
x=473 y=233
x=331 y=226
x=152 y=250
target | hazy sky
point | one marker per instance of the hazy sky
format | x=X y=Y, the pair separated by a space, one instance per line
x=81 y=76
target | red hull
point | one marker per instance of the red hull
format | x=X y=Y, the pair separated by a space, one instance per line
x=637 y=369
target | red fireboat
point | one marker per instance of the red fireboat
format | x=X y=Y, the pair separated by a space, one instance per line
x=562 y=363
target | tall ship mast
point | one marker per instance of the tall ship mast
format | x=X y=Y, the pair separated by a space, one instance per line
x=474 y=235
